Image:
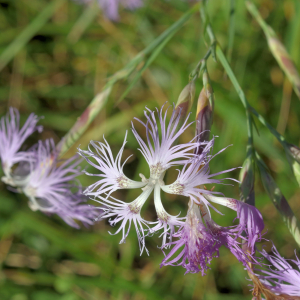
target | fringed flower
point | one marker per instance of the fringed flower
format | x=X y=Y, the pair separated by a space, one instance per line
x=160 y=153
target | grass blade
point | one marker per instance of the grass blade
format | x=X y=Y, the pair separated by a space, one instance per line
x=24 y=37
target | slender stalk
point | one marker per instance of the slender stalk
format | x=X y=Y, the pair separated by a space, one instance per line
x=24 y=37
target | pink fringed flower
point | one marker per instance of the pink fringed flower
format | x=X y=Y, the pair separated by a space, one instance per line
x=161 y=154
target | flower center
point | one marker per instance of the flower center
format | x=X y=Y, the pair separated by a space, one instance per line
x=177 y=188
x=30 y=191
x=123 y=182
x=156 y=171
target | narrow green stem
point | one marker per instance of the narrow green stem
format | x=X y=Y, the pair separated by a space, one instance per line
x=200 y=66
x=265 y=27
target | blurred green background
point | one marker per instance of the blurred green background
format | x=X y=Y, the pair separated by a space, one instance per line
x=57 y=73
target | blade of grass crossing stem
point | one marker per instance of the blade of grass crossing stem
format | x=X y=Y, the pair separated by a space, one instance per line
x=24 y=37
x=100 y=100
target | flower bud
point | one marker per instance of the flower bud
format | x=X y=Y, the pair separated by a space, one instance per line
x=204 y=115
x=185 y=100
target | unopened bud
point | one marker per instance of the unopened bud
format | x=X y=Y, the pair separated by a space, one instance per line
x=185 y=100
x=285 y=62
x=247 y=180
x=205 y=110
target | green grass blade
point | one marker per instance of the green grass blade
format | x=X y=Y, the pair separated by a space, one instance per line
x=279 y=200
x=24 y=37
x=231 y=30
x=87 y=17
x=278 y=49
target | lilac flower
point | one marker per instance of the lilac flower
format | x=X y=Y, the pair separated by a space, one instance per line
x=12 y=138
x=280 y=278
x=111 y=7
x=200 y=243
x=160 y=154
x=52 y=189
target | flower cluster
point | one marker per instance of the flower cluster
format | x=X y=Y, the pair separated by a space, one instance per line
x=197 y=234
x=49 y=184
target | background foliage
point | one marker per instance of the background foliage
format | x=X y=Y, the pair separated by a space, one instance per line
x=57 y=73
